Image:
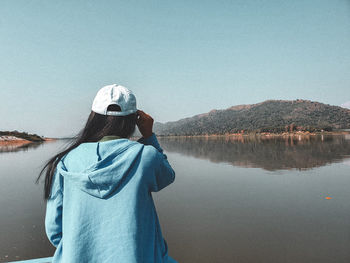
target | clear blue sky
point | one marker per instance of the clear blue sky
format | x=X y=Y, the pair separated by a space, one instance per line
x=180 y=58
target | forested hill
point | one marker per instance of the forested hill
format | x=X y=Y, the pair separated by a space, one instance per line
x=268 y=116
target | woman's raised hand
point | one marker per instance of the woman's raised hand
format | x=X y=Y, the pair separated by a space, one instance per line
x=145 y=123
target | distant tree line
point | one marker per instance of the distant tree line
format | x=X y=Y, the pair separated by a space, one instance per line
x=292 y=128
x=22 y=135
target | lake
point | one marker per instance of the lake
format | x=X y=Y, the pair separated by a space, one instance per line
x=233 y=200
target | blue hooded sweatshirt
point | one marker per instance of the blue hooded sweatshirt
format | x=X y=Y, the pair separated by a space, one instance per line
x=101 y=208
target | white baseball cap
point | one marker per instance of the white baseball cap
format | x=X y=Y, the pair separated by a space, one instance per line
x=114 y=94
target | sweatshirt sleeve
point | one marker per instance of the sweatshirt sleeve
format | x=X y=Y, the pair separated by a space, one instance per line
x=151 y=140
x=164 y=173
x=53 y=217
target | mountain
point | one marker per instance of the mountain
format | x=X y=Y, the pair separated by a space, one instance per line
x=267 y=116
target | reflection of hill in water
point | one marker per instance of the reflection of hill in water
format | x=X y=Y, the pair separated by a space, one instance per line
x=267 y=153
x=18 y=147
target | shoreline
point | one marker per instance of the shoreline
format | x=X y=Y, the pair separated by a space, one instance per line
x=262 y=134
x=18 y=141
x=49 y=139
x=14 y=142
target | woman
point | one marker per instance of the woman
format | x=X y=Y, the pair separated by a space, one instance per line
x=98 y=191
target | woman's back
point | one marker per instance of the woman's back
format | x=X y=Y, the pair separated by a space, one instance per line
x=102 y=203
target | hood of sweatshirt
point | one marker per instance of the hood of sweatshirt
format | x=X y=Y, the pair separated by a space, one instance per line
x=101 y=168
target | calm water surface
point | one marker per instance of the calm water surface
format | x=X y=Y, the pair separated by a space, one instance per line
x=233 y=200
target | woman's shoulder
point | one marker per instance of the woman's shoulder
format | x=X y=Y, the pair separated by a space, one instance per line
x=149 y=153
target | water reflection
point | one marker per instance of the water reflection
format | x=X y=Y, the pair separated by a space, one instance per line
x=17 y=147
x=271 y=154
x=212 y=213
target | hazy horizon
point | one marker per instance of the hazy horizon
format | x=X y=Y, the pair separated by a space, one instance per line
x=179 y=58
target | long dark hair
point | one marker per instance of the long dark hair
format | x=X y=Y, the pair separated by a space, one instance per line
x=95 y=128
